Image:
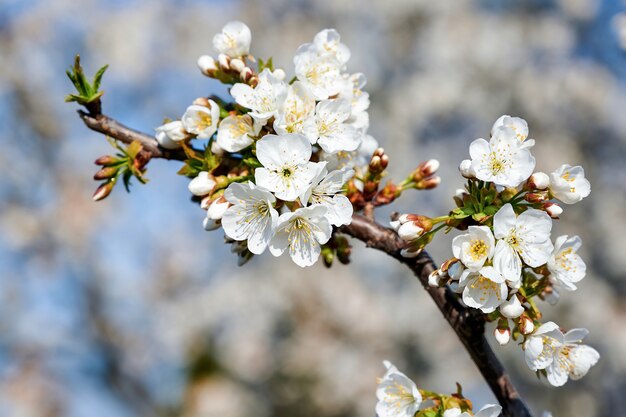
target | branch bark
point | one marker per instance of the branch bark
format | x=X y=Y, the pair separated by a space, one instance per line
x=467 y=323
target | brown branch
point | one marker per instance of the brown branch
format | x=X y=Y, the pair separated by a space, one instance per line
x=468 y=324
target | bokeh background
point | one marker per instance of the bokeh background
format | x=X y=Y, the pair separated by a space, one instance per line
x=128 y=307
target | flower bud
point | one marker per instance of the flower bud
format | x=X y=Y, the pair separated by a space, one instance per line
x=224 y=62
x=105 y=173
x=428 y=183
x=395 y=224
x=169 y=134
x=279 y=74
x=207 y=65
x=202 y=101
x=512 y=308
x=103 y=191
x=502 y=335
x=526 y=325
x=245 y=74
x=411 y=252
x=553 y=209
x=538 y=181
x=410 y=231
x=459 y=196
x=237 y=65
x=203 y=184
x=434 y=279
x=217 y=208
x=466 y=169
x=106 y=160
x=210 y=224
x=536 y=197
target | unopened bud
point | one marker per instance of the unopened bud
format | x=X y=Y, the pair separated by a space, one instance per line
x=378 y=152
x=426 y=169
x=103 y=191
x=411 y=252
x=202 y=101
x=466 y=169
x=538 y=181
x=106 y=160
x=210 y=224
x=410 y=231
x=428 y=183
x=202 y=185
x=502 y=335
x=459 y=196
x=217 y=208
x=537 y=197
x=207 y=65
x=434 y=279
x=237 y=65
x=512 y=308
x=224 y=62
x=279 y=74
x=526 y=325
x=245 y=74
x=106 y=173
x=553 y=209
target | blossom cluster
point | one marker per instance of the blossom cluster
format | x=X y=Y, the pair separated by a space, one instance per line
x=290 y=146
x=507 y=256
x=399 y=396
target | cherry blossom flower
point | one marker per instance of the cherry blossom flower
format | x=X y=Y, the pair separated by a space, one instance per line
x=202 y=121
x=561 y=355
x=251 y=217
x=328 y=42
x=518 y=125
x=501 y=160
x=511 y=308
x=236 y=132
x=569 y=185
x=326 y=189
x=286 y=171
x=320 y=74
x=264 y=99
x=566 y=266
x=526 y=235
x=474 y=247
x=334 y=134
x=397 y=395
x=234 y=40
x=485 y=289
x=297 y=113
x=302 y=232
x=170 y=134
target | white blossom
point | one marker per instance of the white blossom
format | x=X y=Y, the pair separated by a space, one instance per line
x=251 y=217
x=511 y=308
x=518 y=125
x=202 y=184
x=169 y=134
x=264 y=99
x=320 y=74
x=297 y=113
x=356 y=159
x=561 y=355
x=526 y=235
x=569 y=185
x=302 y=232
x=397 y=395
x=335 y=135
x=217 y=208
x=328 y=42
x=236 y=132
x=565 y=265
x=489 y=410
x=286 y=171
x=475 y=247
x=202 y=121
x=485 y=289
x=234 y=40
x=501 y=160
x=326 y=191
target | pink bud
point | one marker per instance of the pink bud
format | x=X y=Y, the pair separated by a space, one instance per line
x=538 y=181
x=503 y=336
x=526 y=325
x=410 y=231
x=553 y=209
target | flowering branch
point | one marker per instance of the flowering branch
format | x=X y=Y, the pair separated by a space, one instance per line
x=468 y=326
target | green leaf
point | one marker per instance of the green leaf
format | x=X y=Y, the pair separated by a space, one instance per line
x=490 y=210
x=98 y=77
x=87 y=92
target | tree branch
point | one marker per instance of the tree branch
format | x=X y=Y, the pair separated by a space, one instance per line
x=468 y=324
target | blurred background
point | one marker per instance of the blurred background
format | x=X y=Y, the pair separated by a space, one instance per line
x=127 y=307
